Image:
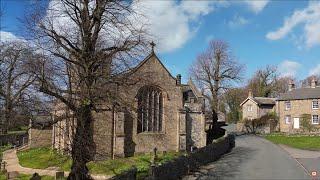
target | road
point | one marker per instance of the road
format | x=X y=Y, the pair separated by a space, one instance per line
x=252 y=158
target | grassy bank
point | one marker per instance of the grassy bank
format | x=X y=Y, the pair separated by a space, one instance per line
x=296 y=141
x=42 y=158
x=26 y=177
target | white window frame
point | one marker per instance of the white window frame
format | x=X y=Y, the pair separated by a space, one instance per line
x=286 y=103
x=250 y=107
x=287 y=119
x=313 y=104
x=312 y=119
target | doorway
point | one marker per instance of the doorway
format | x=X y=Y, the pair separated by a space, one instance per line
x=296 y=123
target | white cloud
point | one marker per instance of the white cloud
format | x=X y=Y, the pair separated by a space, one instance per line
x=8 y=36
x=315 y=71
x=289 y=68
x=237 y=21
x=309 y=17
x=170 y=23
x=174 y=23
x=257 y=5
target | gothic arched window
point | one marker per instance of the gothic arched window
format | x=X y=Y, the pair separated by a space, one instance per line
x=150 y=109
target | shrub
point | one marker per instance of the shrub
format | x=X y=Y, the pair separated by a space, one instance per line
x=306 y=123
x=254 y=124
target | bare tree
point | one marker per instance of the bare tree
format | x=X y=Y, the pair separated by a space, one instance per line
x=88 y=48
x=215 y=70
x=233 y=98
x=263 y=81
x=15 y=79
x=307 y=81
x=267 y=82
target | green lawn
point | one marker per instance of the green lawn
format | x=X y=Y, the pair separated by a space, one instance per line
x=42 y=158
x=26 y=177
x=300 y=142
x=18 y=130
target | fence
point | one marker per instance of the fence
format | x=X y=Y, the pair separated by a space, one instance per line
x=18 y=139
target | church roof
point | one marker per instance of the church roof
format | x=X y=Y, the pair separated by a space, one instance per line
x=152 y=54
x=195 y=90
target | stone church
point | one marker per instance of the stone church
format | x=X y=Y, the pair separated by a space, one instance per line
x=168 y=116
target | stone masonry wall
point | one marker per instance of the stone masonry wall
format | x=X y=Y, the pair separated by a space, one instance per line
x=40 y=138
x=250 y=114
x=298 y=107
x=180 y=166
x=153 y=73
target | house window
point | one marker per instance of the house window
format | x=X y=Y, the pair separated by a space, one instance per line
x=315 y=119
x=287 y=105
x=249 y=107
x=150 y=109
x=287 y=119
x=315 y=104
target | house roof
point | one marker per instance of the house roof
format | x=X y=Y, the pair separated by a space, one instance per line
x=261 y=100
x=301 y=93
x=265 y=100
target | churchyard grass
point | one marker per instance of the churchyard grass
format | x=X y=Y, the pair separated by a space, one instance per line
x=42 y=158
x=26 y=177
x=296 y=141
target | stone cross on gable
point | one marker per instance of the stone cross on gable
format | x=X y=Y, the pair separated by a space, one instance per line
x=152 y=45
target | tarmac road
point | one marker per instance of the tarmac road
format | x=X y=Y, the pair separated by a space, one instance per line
x=253 y=158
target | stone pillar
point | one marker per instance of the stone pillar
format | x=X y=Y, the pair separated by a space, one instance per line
x=182 y=131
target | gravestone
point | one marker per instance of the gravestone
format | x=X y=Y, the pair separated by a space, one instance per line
x=12 y=175
x=3 y=165
x=59 y=175
x=35 y=176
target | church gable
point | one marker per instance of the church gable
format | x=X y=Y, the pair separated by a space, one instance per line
x=153 y=68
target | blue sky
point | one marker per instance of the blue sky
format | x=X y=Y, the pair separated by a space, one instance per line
x=281 y=33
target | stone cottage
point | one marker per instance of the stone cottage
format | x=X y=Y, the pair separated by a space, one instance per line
x=296 y=102
x=256 y=107
x=166 y=115
x=288 y=106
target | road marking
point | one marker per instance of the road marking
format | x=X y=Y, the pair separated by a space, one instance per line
x=304 y=168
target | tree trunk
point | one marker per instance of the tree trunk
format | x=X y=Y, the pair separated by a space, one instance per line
x=83 y=146
x=7 y=118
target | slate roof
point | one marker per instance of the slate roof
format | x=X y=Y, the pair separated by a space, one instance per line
x=265 y=100
x=300 y=93
x=261 y=100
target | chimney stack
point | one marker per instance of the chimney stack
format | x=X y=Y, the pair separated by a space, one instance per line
x=250 y=93
x=313 y=82
x=291 y=85
x=178 y=79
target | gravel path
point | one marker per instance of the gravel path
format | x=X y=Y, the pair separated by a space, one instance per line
x=10 y=157
x=253 y=158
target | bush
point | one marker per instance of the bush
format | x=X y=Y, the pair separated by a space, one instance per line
x=306 y=124
x=254 y=124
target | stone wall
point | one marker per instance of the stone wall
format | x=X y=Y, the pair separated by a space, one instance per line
x=40 y=138
x=153 y=73
x=250 y=114
x=298 y=107
x=180 y=166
